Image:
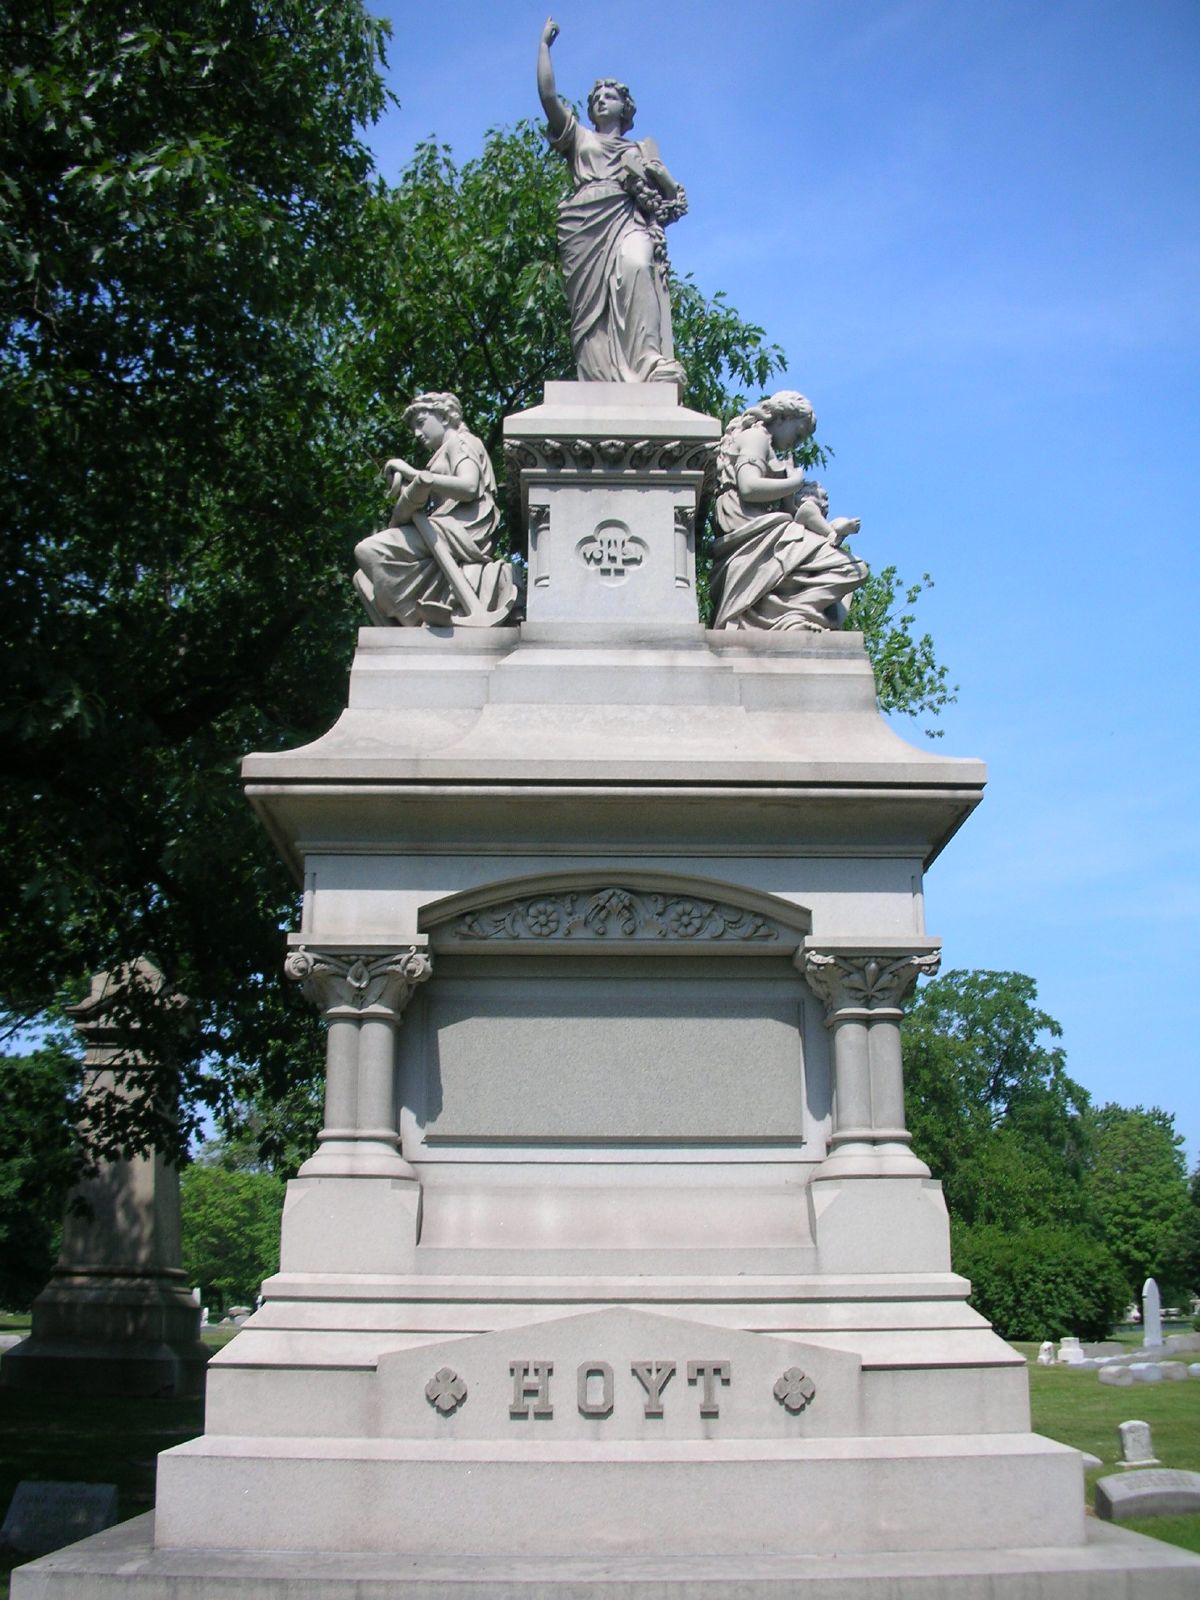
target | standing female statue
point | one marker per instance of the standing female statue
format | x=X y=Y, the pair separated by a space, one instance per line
x=610 y=234
x=778 y=561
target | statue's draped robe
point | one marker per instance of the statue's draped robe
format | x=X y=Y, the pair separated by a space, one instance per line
x=620 y=308
x=769 y=571
x=398 y=562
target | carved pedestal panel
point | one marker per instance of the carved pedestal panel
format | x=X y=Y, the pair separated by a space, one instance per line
x=606 y=479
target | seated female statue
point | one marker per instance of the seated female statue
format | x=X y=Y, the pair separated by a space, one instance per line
x=433 y=562
x=610 y=234
x=778 y=561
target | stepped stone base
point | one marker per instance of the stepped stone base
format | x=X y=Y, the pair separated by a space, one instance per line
x=123 y=1564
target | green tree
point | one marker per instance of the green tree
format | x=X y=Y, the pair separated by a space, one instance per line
x=38 y=1155
x=182 y=213
x=230 y=1231
x=908 y=676
x=1139 y=1188
x=990 y=1104
x=994 y=1111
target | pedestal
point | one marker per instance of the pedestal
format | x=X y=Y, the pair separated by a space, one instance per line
x=642 y=1290
x=118 y=1316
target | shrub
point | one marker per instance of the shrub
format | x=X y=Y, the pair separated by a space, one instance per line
x=1041 y=1283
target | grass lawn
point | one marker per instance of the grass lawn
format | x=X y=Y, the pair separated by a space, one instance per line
x=1076 y=1408
x=116 y=1441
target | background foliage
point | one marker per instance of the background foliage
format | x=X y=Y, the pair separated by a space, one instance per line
x=1059 y=1211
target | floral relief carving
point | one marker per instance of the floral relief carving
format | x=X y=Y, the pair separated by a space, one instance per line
x=862 y=982
x=358 y=982
x=795 y=1390
x=446 y=1391
x=613 y=913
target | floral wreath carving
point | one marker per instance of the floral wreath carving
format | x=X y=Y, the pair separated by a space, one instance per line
x=613 y=913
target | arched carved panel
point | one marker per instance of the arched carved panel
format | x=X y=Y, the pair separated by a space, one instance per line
x=586 y=911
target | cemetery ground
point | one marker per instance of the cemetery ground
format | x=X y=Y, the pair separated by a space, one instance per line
x=116 y=1441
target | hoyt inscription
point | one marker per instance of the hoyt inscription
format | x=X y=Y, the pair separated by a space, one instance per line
x=595 y=1388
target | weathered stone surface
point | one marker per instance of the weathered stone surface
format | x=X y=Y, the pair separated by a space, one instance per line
x=117 y=1316
x=1163 y=1492
x=433 y=563
x=1137 y=1448
x=610 y=233
x=1110 y=1563
x=1152 y=1328
x=778 y=561
x=1146 y=1371
x=1118 y=1377
x=46 y=1516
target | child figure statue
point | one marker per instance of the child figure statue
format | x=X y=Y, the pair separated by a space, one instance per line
x=433 y=564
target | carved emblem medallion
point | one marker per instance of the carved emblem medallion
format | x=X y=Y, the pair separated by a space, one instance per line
x=446 y=1391
x=795 y=1390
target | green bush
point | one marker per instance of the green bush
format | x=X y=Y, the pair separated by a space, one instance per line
x=1041 y=1283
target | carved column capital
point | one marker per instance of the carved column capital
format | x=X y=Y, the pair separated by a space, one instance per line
x=865 y=983
x=360 y=984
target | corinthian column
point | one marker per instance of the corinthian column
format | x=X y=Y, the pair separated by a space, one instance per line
x=362 y=994
x=863 y=984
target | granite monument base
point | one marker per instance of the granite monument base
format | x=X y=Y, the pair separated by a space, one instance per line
x=125 y=1564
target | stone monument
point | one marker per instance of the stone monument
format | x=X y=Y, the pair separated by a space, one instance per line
x=117 y=1316
x=614 y=1271
x=1152 y=1322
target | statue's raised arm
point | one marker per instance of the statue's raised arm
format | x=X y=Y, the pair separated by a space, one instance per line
x=610 y=233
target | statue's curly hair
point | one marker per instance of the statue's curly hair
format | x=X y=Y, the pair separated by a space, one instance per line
x=446 y=407
x=785 y=403
x=622 y=89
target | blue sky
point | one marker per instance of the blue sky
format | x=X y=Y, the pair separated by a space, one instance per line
x=974 y=226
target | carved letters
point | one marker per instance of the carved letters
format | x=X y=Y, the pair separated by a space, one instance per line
x=612 y=551
x=531 y=1388
x=596 y=1388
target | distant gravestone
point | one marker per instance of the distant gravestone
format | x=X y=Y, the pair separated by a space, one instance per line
x=1070 y=1351
x=46 y=1516
x=1167 y=1493
x=1152 y=1334
x=1174 y=1369
x=1118 y=1377
x=1045 y=1353
x=1146 y=1371
x=1137 y=1446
